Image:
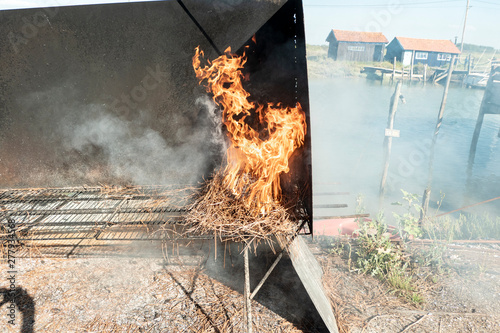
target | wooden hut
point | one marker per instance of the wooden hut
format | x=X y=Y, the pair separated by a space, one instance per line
x=433 y=52
x=356 y=46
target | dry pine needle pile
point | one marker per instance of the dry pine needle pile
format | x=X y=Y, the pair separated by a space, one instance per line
x=217 y=211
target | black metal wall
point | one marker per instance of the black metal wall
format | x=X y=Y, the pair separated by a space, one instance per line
x=107 y=93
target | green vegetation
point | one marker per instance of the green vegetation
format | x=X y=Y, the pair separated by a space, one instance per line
x=470 y=48
x=408 y=222
x=466 y=226
x=321 y=67
x=316 y=50
x=380 y=257
x=401 y=264
x=481 y=62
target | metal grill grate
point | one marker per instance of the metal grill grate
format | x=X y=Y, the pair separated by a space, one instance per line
x=100 y=213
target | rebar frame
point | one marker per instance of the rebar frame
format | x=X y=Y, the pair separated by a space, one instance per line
x=130 y=213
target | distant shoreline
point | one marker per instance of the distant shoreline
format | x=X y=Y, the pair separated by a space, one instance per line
x=319 y=66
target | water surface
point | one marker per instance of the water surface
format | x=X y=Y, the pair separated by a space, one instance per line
x=348 y=118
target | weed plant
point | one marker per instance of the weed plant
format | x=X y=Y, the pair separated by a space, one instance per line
x=384 y=259
x=465 y=226
x=400 y=263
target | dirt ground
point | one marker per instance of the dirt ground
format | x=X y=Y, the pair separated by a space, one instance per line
x=465 y=297
x=137 y=288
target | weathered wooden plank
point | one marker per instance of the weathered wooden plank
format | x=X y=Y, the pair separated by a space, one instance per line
x=310 y=273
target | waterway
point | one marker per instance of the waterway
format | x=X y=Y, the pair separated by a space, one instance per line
x=348 y=120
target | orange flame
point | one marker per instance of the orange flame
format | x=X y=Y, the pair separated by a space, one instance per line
x=256 y=158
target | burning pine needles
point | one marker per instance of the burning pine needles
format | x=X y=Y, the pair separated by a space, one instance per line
x=219 y=212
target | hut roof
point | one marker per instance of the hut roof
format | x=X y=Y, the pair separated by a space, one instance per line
x=357 y=36
x=429 y=45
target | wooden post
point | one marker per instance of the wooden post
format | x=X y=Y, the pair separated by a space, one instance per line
x=467 y=67
x=393 y=70
x=411 y=65
x=402 y=66
x=388 y=140
x=479 y=123
x=425 y=73
x=486 y=108
x=248 y=301
x=475 y=138
x=427 y=191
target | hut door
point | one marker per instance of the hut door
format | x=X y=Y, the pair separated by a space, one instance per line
x=377 y=54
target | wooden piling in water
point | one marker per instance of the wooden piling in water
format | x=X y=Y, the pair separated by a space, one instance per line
x=388 y=140
x=487 y=107
x=427 y=191
x=393 y=70
x=411 y=65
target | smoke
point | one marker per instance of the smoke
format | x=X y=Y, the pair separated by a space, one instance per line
x=56 y=140
x=215 y=117
x=132 y=150
x=348 y=121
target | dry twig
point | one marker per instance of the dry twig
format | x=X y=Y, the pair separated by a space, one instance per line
x=414 y=323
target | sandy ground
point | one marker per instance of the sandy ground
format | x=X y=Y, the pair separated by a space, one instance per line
x=464 y=299
x=141 y=290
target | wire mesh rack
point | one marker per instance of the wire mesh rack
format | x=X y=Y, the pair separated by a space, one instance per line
x=83 y=221
x=100 y=213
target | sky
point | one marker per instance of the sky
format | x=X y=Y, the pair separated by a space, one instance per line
x=433 y=19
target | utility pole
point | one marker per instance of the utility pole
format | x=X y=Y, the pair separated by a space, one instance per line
x=465 y=22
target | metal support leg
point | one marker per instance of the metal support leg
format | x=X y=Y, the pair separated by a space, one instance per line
x=273 y=266
x=269 y=271
x=248 y=302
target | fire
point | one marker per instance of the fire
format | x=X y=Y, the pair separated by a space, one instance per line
x=263 y=136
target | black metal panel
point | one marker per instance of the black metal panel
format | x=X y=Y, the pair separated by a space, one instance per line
x=107 y=93
x=277 y=70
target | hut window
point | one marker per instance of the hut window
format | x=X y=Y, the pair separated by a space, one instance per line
x=356 y=48
x=421 y=55
x=444 y=56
